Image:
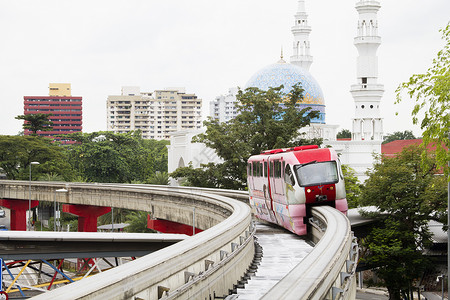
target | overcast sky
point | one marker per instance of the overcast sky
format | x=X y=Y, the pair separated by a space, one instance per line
x=206 y=46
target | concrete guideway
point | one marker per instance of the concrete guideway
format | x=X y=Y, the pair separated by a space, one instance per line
x=281 y=252
x=328 y=272
x=24 y=245
x=207 y=264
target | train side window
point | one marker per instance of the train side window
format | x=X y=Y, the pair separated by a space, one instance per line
x=276 y=169
x=265 y=169
x=289 y=176
x=271 y=169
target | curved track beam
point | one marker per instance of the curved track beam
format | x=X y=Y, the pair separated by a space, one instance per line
x=209 y=263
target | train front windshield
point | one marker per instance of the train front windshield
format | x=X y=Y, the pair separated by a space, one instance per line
x=317 y=173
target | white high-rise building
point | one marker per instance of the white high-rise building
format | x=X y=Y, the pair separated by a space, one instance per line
x=156 y=114
x=223 y=107
x=128 y=111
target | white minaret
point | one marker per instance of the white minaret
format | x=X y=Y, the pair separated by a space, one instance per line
x=301 y=30
x=367 y=93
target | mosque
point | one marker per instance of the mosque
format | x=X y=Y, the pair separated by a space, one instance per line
x=367 y=129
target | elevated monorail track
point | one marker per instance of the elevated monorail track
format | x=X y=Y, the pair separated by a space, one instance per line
x=209 y=264
x=278 y=252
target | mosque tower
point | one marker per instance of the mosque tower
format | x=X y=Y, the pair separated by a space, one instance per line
x=367 y=93
x=301 y=53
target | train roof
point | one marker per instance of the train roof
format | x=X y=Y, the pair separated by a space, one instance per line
x=298 y=148
x=303 y=154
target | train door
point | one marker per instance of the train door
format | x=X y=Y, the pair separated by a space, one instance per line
x=277 y=182
x=268 y=169
x=250 y=181
x=271 y=177
x=279 y=179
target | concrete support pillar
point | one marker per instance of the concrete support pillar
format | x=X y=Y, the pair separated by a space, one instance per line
x=18 y=210
x=166 y=226
x=87 y=215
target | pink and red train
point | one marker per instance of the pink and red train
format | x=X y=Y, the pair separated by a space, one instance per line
x=284 y=183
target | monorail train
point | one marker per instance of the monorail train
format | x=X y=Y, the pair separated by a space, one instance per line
x=284 y=183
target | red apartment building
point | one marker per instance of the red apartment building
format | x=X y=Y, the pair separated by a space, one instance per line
x=67 y=111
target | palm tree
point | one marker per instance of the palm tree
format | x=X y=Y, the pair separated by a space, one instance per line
x=159 y=178
x=35 y=122
x=120 y=215
x=138 y=222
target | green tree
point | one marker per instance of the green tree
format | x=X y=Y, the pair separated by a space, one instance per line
x=17 y=152
x=398 y=263
x=352 y=186
x=406 y=197
x=108 y=157
x=208 y=176
x=266 y=120
x=431 y=94
x=36 y=122
x=398 y=135
x=138 y=222
x=344 y=134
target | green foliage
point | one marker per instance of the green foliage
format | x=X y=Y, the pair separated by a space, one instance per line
x=17 y=152
x=108 y=157
x=119 y=216
x=431 y=94
x=352 y=186
x=406 y=197
x=35 y=122
x=398 y=135
x=392 y=249
x=267 y=120
x=159 y=178
x=51 y=177
x=208 y=176
x=344 y=134
x=138 y=222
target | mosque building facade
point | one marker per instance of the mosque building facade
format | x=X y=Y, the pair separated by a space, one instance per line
x=367 y=127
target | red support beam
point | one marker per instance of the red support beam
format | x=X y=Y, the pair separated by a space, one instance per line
x=166 y=226
x=18 y=210
x=87 y=215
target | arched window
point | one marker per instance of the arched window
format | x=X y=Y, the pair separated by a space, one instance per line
x=181 y=163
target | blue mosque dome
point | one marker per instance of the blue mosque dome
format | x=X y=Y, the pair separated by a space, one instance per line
x=287 y=75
